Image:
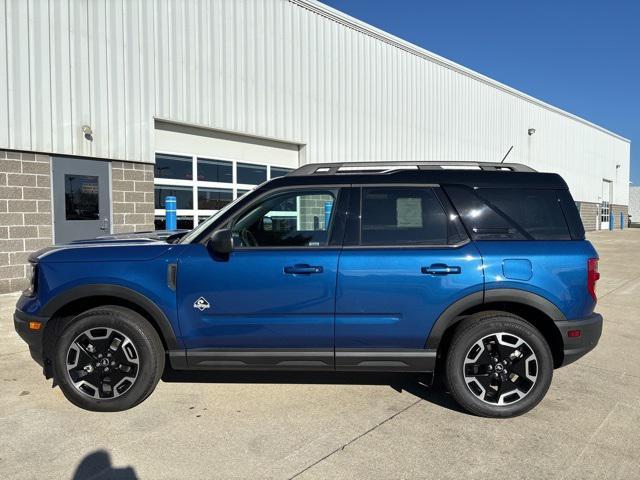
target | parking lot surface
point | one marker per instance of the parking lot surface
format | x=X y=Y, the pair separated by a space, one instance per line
x=307 y=425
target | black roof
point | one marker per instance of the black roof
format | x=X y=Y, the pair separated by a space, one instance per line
x=488 y=175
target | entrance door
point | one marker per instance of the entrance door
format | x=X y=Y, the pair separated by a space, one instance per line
x=605 y=206
x=81 y=199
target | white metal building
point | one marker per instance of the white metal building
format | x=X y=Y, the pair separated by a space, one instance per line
x=226 y=93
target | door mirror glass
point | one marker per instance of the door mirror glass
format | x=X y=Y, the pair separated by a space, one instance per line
x=220 y=242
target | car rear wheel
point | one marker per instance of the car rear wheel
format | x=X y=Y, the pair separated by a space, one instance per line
x=108 y=359
x=498 y=365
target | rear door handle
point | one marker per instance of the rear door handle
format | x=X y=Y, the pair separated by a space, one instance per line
x=302 y=269
x=440 y=269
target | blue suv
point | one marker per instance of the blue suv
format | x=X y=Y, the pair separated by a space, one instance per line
x=477 y=270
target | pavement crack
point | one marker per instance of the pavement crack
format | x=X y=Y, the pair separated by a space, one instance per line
x=355 y=439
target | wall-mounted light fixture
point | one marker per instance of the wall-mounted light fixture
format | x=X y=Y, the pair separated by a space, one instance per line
x=88 y=133
x=531 y=131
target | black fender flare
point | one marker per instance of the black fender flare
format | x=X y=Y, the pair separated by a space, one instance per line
x=452 y=314
x=118 y=291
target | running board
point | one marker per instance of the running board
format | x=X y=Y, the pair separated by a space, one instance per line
x=347 y=360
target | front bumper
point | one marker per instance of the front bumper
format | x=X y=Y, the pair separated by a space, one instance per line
x=34 y=338
x=575 y=347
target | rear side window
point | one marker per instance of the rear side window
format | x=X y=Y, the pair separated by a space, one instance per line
x=402 y=216
x=510 y=214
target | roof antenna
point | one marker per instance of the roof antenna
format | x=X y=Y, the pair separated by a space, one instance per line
x=507 y=154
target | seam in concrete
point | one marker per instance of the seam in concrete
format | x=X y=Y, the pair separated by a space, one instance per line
x=355 y=439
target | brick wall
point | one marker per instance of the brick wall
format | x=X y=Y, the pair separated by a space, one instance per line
x=25 y=213
x=132 y=197
x=589 y=214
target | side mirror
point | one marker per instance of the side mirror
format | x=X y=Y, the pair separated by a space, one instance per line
x=221 y=242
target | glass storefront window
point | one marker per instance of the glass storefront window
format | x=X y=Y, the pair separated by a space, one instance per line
x=279 y=172
x=251 y=174
x=173 y=166
x=213 y=198
x=215 y=171
x=184 y=196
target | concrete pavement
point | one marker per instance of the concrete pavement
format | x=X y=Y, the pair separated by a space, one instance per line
x=340 y=426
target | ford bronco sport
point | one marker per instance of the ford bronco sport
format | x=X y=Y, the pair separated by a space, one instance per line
x=478 y=270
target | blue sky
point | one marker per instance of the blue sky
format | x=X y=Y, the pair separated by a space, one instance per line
x=580 y=55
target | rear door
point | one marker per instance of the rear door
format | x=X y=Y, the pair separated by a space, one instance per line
x=81 y=200
x=406 y=259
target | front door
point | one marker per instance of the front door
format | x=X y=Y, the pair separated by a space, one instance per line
x=270 y=303
x=81 y=199
x=407 y=262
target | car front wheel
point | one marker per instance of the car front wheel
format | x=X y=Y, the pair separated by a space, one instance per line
x=108 y=359
x=498 y=365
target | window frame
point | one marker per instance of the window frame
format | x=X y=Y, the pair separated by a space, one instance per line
x=353 y=230
x=336 y=230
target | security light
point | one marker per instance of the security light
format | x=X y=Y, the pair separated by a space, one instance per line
x=531 y=131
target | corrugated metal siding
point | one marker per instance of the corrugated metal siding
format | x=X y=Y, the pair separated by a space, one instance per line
x=290 y=70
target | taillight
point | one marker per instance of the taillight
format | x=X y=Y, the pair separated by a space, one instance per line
x=592 y=276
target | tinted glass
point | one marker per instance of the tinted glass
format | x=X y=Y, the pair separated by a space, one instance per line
x=213 y=198
x=510 y=214
x=184 y=196
x=294 y=219
x=81 y=197
x=279 y=172
x=251 y=174
x=402 y=216
x=173 y=166
x=183 y=223
x=215 y=171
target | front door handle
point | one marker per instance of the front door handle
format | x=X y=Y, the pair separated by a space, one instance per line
x=302 y=269
x=440 y=269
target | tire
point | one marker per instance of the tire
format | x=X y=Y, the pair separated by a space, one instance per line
x=498 y=365
x=108 y=359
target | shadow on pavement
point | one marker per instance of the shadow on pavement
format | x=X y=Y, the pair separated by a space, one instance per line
x=97 y=465
x=420 y=385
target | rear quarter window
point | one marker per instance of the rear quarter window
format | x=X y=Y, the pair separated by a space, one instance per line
x=510 y=214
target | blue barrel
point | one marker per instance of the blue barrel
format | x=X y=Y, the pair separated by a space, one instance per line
x=327 y=213
x=170 y=207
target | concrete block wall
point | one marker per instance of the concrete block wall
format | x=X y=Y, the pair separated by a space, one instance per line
x=25 y=213
x=589 y=213
x=616 y=210
x=312 y=207
x=132 y=197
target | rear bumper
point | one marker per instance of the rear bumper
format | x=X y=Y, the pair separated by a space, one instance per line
x=33 y=338
x=575 y=347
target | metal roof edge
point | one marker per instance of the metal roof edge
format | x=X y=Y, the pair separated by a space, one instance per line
x=352 y=22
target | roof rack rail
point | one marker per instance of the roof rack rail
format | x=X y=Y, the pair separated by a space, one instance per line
x=391 y=167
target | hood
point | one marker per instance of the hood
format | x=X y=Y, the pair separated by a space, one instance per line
x=146 y=237
x=112 y=248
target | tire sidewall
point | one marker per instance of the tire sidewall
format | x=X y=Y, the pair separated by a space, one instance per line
x=150 y=362
x=464 y=341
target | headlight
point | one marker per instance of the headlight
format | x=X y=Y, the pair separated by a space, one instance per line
x=32 y=277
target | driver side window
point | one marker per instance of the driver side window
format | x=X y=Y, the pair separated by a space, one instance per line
x=290 y=219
